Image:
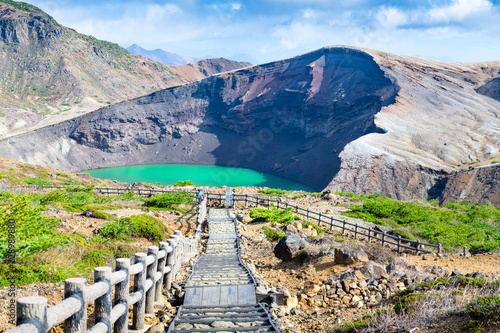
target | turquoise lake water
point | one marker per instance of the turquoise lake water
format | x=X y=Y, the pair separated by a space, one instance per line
x=203 y=175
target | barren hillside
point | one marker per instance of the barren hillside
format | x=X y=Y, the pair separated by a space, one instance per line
x=51 y=73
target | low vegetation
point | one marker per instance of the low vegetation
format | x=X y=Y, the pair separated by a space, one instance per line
x=184 y=183
x=170 y=201
x=430 y=302
x=452 y=225
x=45 y=251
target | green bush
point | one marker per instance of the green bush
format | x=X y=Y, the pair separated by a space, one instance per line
x=271 y=234
x=184 y=183
x=274 y=192
x=72 y=181
x=168 y=200
x=455 y=224
x=273 y=214
x=136 y=226
x=37 y=181
x=318 y=229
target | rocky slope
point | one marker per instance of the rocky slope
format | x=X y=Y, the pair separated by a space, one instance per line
x=51 y=73
x=337 y=118
x=480 y=184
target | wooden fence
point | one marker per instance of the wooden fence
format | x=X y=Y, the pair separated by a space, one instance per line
x=151 y=272
x=369 y=233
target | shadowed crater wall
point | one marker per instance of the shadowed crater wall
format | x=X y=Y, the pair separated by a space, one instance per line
x=290 y=118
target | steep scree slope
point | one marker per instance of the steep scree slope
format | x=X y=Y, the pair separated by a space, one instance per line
x=291 y=118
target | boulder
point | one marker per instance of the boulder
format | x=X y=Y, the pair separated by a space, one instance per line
x=438 y=270
x=373 y=270
x=289 y=246
x=350 y=256
x=288 y=229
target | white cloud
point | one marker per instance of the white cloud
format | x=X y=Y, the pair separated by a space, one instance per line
x=458 y=10
x=390 y=18
x=236 y=6
x=309 y=13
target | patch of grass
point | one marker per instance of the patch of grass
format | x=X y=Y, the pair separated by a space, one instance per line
x=453 y=225
x=485 y=313
x=170 y=200
x=184 y=183
x=273 y=214
x=136 y=226
x=72 y=182
x=36 y=181
x=318 y=229
x=271 y=234
x=274 y=192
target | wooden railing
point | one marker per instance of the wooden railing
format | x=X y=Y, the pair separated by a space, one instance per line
x=151 y=272
x=369 y=233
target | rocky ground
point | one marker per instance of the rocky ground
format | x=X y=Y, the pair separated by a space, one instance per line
x=321 y=292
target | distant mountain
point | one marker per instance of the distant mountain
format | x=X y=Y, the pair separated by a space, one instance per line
x=50 y=73
x=164 y=57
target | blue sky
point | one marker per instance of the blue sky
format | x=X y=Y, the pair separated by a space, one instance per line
x=267 y=30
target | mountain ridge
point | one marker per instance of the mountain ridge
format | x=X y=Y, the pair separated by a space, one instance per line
x=164 y=57
x=51 y=72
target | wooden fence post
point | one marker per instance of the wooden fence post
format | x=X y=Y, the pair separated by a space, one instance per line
x=139 y=309
x=343 y=227
x=161 y=267
x=121 y=295
x=440 y=248
x=383 y=238
x=33 y=310
x=356 y=231
x=246 y=200
x=319 y=219
x=417 y=246
x=369 y=233
x=151 y=273
x=399 y=244
x=77 y=323
x=331 y=223
x=103 y=305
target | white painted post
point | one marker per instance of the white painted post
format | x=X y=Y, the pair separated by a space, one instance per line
x=171 y=262
x=161 y=267
x=139 y=309
x=75 y=287
x=33 y=310
x=121 y=295
x=103 y=305
x=151 y=273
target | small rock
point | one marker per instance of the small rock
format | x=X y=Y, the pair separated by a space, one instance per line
x=159 y=328
x=221 y=324
x=348 y=256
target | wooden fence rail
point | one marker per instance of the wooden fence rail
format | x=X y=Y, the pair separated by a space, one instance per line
x=358 y=230
x=150 y=271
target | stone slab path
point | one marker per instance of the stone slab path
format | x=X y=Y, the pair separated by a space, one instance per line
x=220 y=293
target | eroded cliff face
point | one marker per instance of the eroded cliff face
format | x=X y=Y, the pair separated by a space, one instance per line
x=339 y=118
x=291 y=118
x=480 y=184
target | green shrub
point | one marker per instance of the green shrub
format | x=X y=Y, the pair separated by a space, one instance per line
x=72 y=181
x=168 y=200
x=273 y=214
x=403 y=232
x=271 y=234
x=37 y=181
x=53 y=196
x=88 y=188
x=274 y=192
x=318 y=229
x=184 y=183
x=136 y=226
x=485 y=313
